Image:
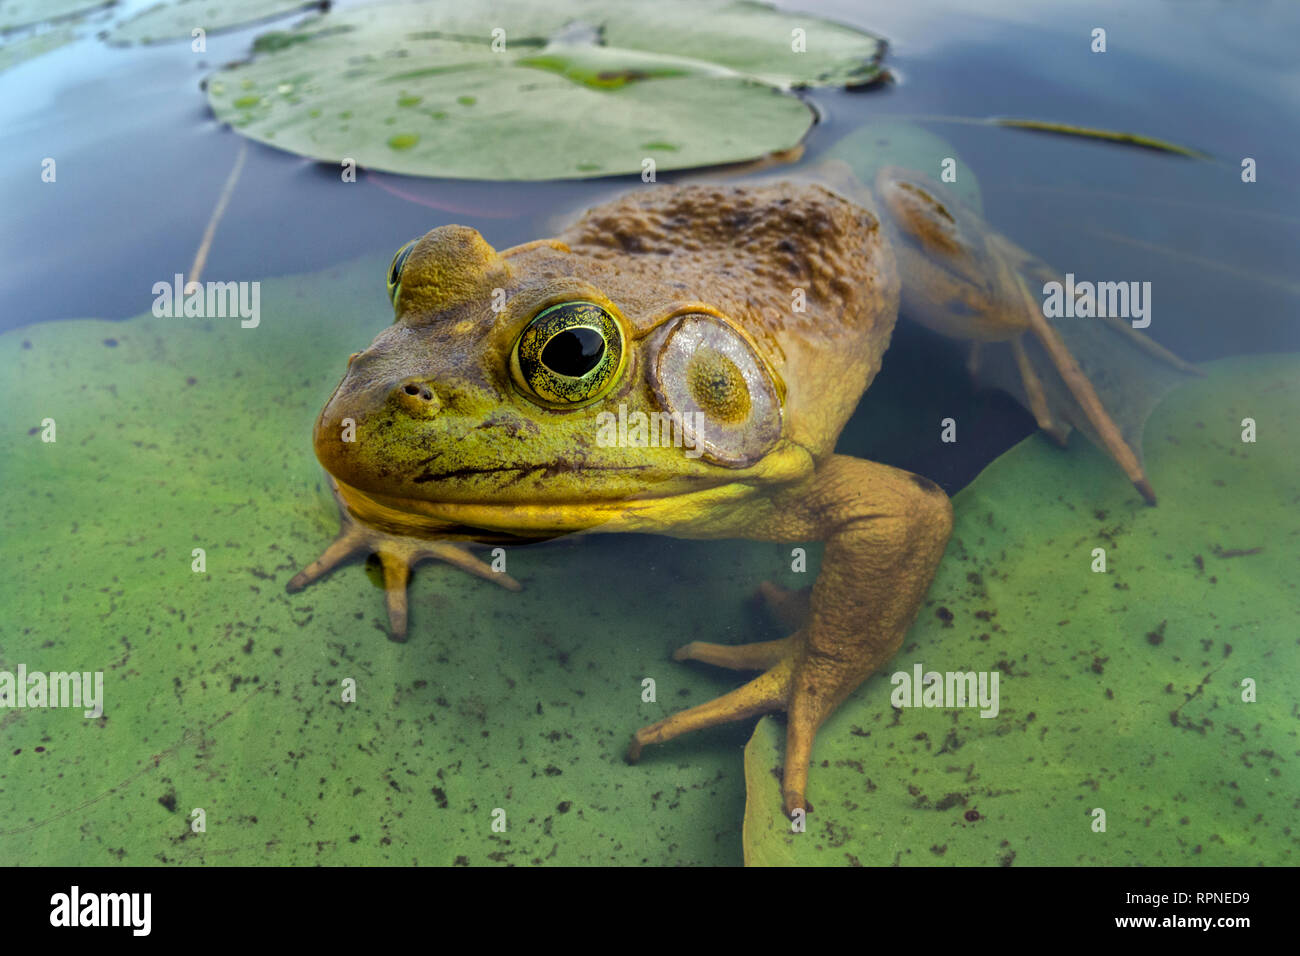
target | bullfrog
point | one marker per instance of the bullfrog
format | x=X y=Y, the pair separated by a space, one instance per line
x=746 y=320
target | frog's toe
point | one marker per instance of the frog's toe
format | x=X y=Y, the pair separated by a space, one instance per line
x=397 y=574
x=460 y=556
x=738 y=657
x=351 y=539
x=762 y=695
x=399 y=555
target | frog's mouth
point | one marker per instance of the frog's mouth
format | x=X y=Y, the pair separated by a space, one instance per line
x=516 y=521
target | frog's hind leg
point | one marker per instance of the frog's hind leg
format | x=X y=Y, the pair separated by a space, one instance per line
x=963 y=279
x=1036 y=394
x=1103 y=425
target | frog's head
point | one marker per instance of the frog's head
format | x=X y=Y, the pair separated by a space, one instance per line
x=534 y=390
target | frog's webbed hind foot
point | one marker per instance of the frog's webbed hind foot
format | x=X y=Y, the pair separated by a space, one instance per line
x=397 y=554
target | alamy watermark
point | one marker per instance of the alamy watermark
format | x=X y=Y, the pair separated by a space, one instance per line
x=951 y=689
x=75 y=908
x=209 y=300
x=1086 y=300
x=655 y=430
x=82 y=689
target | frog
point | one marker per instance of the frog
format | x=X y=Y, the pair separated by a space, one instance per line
x=481 y=415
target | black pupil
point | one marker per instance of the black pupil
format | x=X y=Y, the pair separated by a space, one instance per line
x=396 y=272
x=573 y=352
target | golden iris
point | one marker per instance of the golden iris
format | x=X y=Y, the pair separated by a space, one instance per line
x=569 y=354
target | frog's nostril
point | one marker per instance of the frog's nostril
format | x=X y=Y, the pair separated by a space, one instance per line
x=416 y=397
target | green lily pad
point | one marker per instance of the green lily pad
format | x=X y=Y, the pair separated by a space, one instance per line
x=572 y=90
x=1120 y=691
x=874 y=145
x=178 y=20
x=11 y=54
x=24 y=13
x=222 y=692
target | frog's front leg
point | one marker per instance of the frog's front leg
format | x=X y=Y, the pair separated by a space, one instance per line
x=885 y=531
x=397 y=555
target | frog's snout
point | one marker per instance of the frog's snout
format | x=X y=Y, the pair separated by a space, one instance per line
x=416 y=397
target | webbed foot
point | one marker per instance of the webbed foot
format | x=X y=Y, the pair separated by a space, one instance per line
x=398 y=554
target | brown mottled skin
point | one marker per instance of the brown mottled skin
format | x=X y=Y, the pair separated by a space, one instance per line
x=451 y=445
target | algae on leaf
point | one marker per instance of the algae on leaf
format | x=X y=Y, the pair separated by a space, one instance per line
x=1121 y=691
x=522 y=90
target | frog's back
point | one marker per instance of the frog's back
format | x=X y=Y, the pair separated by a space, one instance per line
x=806 y=273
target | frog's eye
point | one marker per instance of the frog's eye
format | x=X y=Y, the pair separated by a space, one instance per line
x=569 y=354
x=395 y=271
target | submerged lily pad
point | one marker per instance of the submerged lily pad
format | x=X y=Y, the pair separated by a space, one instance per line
x=880 y=143
x=527 y=91
x=1119 y=691
x=23 y=13
x=177 y=20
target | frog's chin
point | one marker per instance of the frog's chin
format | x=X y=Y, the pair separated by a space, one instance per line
x=492 y=521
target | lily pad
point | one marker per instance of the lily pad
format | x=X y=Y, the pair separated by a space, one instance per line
x=1121 y=691
x=529 y=91
x=874 y=145
x=11 y=54
x=178 y=20
x=24 y=13
x=222 y=692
